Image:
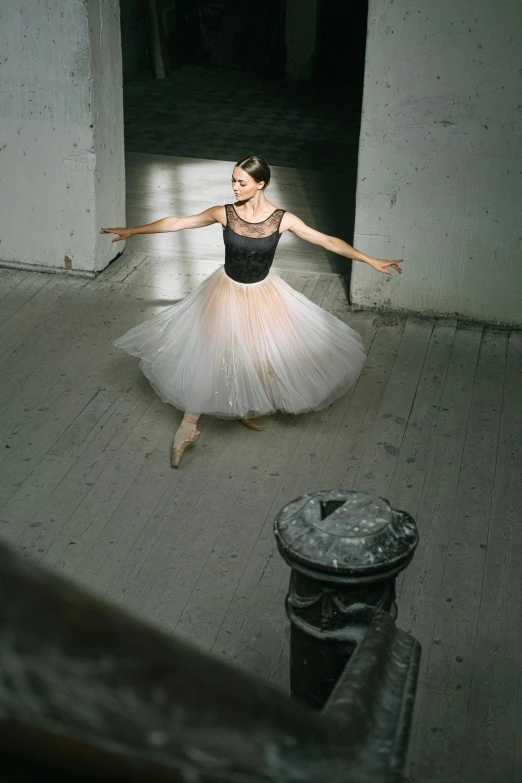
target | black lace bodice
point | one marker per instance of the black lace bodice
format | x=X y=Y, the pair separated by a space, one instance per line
x=250 y=247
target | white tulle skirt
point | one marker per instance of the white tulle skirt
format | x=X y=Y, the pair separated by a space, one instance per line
x=234 y=350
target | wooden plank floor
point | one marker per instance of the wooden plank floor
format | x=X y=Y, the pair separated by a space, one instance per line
x=434 y=423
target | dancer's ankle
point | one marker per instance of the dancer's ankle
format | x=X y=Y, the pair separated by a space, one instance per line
x=186 y=428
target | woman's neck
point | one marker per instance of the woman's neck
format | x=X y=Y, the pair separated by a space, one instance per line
x=256 y=206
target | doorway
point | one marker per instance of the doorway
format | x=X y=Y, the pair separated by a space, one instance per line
x=205 y=79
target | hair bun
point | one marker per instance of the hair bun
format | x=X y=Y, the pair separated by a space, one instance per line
x=257 y=167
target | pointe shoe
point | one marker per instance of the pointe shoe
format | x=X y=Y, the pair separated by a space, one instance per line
x=177 y=451
x=252 y=424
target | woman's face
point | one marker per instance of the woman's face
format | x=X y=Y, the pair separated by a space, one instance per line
x=243 y=185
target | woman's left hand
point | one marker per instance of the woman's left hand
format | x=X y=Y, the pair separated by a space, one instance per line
x=381 y=265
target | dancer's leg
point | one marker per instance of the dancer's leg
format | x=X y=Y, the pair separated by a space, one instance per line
x=186 y=428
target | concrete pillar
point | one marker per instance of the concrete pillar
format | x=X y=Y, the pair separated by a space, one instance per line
x=300 y=36
x=439 y=177
x=61 y=130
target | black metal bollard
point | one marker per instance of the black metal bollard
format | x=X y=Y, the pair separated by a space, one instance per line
x=345 y=550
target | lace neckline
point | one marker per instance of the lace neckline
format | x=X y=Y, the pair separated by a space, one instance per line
x=254 y=222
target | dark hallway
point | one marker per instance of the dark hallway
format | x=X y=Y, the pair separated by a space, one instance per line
x=214 y=103
x=227 y=91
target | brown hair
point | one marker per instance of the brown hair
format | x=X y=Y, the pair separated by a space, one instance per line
x=257 y=167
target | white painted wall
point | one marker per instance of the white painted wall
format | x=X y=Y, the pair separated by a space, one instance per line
x=440 y=159
x=61 y=131
x=107 y=113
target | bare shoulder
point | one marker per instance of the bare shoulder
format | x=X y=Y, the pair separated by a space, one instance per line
x=289 y=222
x=219 y=214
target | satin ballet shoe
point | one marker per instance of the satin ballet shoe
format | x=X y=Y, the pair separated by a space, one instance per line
x=252 y=424
x=177 y=451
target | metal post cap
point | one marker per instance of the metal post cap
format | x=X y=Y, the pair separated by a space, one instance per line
x=345 y=533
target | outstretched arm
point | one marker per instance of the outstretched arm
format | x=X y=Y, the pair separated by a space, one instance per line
x=294 y=224
x=206 y=218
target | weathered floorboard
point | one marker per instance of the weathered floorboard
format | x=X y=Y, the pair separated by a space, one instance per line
x=433 y=423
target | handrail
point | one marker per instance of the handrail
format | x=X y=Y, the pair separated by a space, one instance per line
x=374 y=697
x=88 y=691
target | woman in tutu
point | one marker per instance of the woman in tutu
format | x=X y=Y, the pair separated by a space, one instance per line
x=245 y=344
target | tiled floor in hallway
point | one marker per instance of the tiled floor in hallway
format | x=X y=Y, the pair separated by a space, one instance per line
x=220 y=114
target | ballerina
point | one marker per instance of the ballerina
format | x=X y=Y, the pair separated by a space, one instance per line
x=244 y=344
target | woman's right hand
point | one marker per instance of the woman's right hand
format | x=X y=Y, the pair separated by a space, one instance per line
x=121 y=233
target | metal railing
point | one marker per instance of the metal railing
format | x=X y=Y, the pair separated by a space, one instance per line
x=89 y=692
